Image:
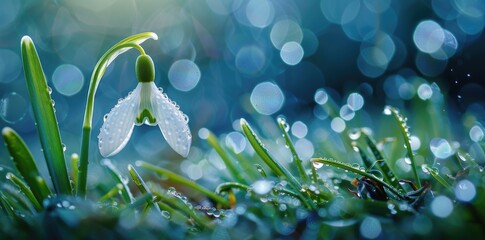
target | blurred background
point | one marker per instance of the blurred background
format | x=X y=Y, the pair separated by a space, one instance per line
x=221 y=60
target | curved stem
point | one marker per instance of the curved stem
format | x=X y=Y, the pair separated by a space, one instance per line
x=99 y=69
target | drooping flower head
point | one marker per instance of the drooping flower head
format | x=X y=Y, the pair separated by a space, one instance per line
x=146 y=104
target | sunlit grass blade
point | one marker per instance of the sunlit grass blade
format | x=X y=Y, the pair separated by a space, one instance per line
x=45 y=117
x=179 y=179
x=296 y=159
x=349 y=168
x=235 y=172
x=381 y=163
x=119 y=179
x=25 y=164
x=25 y=190
x=434 y=173
x=142 y=187
x=98 y=72
x=388 y=110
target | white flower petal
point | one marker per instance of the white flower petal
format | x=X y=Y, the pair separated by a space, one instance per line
x=172 y=122
x=118 y=124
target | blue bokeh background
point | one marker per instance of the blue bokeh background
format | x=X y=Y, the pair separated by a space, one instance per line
x=221 y=60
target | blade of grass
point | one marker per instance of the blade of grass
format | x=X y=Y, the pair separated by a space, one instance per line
x=45 y=117
x=388 y=110
x=119 y=179
x=25 y=164
x=141 y=185
x=7 y=207
x=236 y=173
x=25 y=190
x=359 y=172
x=296 y=159
x=438 y=178
x=178 y=179
x=182 y=206
x=111 y=193
x=98 y=72
x=74 y=168
x=381 y=163
x=20 y=201
x=275 y=166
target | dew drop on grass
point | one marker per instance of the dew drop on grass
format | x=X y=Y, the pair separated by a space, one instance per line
x=387 y=110
x=166 y=214
x=317 y=165
x=262 y=187
x=354 y=133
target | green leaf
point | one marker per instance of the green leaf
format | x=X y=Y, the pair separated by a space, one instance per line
x=98 y=72
x=25 y=164
x=178 y=179
x=116 y=175
x=25 y=190
x=296 y=159
x=348 y=167
x=275 y=166
x=45 y=118
x=401 y=120
x=141 y=185
x=441 y=180
x=235 y=171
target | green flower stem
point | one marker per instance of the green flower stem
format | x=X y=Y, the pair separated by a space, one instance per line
x=74 y=169
x=98 y=72
x=235 y=172
x=358 y=171
x=25 y=164
x=405 y=133
x=178 y=179
x=45 y=117
x=289 y=143
x=25 y=190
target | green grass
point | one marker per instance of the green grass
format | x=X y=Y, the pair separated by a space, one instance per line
x=335 y=194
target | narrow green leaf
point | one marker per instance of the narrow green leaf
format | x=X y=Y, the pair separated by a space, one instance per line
x=119 y=179
x=111 y=193
x=224 y=187
x=275 y=166
x=25 y=164
x=179 y=179
x=25 y=190
x=358 y=171
x=434 y=173
x=236 y=172
x=98 y=72
x=7 y=207
x=381 y=163
x=45 y=118
x=141 y=185
x=296 y=159
x=401 y=120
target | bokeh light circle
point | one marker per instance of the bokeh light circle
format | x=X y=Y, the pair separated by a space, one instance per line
x=68 y=79
x=267 y=98
x=250 y=60
x=184 y=75
x=428 y=36
x=291 y=53
x=285 y=31
x=13 y=107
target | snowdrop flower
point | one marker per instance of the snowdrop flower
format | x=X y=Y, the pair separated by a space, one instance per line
x=147 y=104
